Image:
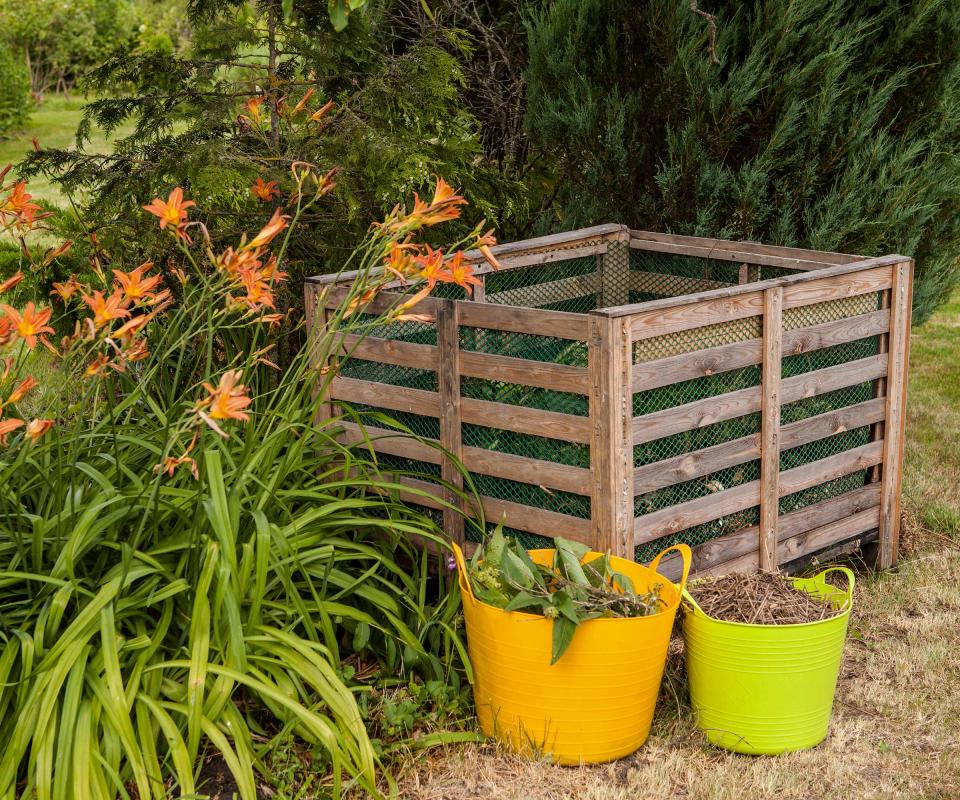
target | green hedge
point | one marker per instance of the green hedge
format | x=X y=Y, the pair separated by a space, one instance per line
x=14 y=89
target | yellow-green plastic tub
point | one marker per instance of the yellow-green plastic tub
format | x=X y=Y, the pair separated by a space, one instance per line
x=766 y=689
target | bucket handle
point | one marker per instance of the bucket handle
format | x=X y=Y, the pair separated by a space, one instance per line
x=820 y=577
x=464 y=576
x=685 y=555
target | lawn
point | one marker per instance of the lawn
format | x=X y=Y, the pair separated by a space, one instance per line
x=896 y=724
x=53 y=124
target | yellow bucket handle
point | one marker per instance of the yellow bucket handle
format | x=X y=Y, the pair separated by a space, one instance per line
x=821 y=578
x=685 y=555
x=462 y=574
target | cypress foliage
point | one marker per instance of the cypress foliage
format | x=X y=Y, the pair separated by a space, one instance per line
x=828 y=124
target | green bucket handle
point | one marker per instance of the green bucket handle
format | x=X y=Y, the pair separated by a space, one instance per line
x=817 y=585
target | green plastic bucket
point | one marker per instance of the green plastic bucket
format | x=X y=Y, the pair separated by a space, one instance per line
x=766 y=689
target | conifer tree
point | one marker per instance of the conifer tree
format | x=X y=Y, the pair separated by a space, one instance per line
x=826 y=123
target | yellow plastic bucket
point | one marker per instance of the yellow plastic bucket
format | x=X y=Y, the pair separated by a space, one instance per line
x=766 y=689
x=596 y=703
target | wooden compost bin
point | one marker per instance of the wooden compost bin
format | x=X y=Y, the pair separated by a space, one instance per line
x=631 y=389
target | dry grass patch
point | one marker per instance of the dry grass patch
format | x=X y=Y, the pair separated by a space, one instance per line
x=895 y=732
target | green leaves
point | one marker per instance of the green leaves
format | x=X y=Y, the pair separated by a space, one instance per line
x=569 y=591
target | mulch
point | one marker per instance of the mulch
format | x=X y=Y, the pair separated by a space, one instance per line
x=761 y=598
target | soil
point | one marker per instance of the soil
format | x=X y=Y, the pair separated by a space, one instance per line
x=762 y=598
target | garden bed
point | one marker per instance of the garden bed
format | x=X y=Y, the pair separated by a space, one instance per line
x=631 y=389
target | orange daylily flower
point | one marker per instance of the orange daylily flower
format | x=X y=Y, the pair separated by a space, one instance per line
x=30 y=324
x=462 y=274
x=25 y=386
x=96 y=366
x=445 y=205
x=265 y=191
x=173 y=211
x=6 y=331
x=170 y=465
x=137 y=350
x=67 y=289
x=135 y=287
x=253 y=109
x=319 y=114
x=273 y=227
x=38 y=427
x=106 y=309
x=259 y=292
x=431 y=267
x=8 y=426
x=484 y=243
x=228 y=399
x=303 y=101
x=233 y=262
x=17 y=205
x=400 y=262
x=10 y=282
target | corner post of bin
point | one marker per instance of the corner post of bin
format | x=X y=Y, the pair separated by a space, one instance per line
x=770 y=426
x=316 y=315
x=451 y=440
x=611 y=446
x=898 y=356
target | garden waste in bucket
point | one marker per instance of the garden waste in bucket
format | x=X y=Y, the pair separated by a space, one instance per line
x=596 y=703
x=766 y=689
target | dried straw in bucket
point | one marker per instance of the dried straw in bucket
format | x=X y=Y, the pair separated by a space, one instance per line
x=761 y=598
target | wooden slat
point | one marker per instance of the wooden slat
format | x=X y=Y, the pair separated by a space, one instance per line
x=710 y=410
x=539 y=294
x=542 y=374
x=451 y=440
x=388 y=351
x=649 y=322
x=524 y=259
x=662 y=283
x=611 y=456
x=536 y=321
x=548 y=474
x=532 y=421
x=818 y=538
x=382 y=395
x=639 y=311
x=383 y=302
x=697 y=463
x=899 y=348
x=718 y=254
x=730 y=501
x=770 y=398
x=751 y=248
x=513 y=515
x=834 y=287
x=737 y=355
x=390 y=442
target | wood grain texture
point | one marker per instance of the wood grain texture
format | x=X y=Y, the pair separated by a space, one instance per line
x=542 y=374
x=451 y=439
x=388 y=351
x=700 y=413
x=533 y=421
x=901 y=297
x=723 y=254
x=547 y=292
x=535 y=321
x=770 y=398
x=611 y=454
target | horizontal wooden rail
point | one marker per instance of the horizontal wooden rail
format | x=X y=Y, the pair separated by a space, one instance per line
x=533 y=321
x=824 y=257
x=696 y=464
x=522 y=371
x=738 y=498
x=539 y=294
x=722 y=407
x=721 y=254
x=737 y=355
x=389 y=351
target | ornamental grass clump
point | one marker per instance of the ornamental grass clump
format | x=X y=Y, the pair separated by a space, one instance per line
x=190 y=560
x=568 y=590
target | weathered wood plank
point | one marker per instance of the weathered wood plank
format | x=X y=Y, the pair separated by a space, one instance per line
x=837 y=531
x=547 y=474
x=533 y=421
x=535 y=321
x=382 y=395
x=825 y=256
x=770 y=398
x=539 y=294
x=538 y=258
x=710 y=410
x=451 y=440
x=730 y=501
x=697 y=463
x=388 y=351
x=611 y=456
x=333 y=296
x=513 y=515
x=390 y=442
x=737 y=355
x=542 y=374
x=722 y=254
x=896 y=389
x=833 y=287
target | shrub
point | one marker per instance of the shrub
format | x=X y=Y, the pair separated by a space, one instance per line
x=191 y=561
x=14 y=89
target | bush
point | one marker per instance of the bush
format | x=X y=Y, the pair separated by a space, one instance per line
x=191 y=563
x=14 y=89
x=824 y=124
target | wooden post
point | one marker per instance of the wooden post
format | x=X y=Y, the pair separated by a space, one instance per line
x=448 y=378
x=880 y=388
x=901 y=300
x=749 y=273
x=770 y=427
x=611 y=448
x=614 y=269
